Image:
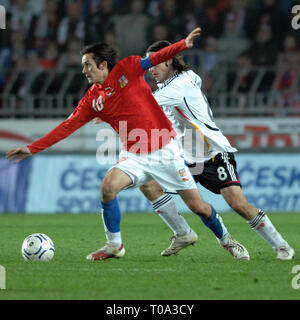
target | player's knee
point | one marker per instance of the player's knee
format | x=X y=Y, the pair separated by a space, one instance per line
x=108 y=191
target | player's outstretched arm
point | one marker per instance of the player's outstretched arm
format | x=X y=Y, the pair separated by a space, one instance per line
x=170 y=51
x=189 y=40
x=18 y=154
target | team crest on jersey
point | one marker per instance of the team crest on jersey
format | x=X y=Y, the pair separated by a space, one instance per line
x=123 y=81
x=182 y=172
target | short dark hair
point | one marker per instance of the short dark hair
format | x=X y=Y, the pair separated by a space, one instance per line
x=178 y=63
x=102 y=52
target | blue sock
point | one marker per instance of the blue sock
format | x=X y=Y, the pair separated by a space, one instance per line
x=112 y=215
x=214 y=224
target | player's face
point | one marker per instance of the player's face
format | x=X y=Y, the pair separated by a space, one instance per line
x=162 y=71
x=91 y=71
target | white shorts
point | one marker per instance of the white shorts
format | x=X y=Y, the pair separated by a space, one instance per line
x=166 y=166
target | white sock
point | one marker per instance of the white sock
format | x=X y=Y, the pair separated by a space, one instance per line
x=112 y=237
x=264 y=227
x=166 y=208
x=224 y=240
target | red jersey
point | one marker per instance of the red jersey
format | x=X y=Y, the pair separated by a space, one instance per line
x=125 y=101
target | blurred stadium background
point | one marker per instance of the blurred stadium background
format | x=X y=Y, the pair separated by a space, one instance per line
x=248 y=57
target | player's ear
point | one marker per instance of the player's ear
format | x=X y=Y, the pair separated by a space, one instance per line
x=168 y=62
x=103 y=65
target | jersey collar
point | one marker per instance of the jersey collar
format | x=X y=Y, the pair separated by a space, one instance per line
x=165 y=83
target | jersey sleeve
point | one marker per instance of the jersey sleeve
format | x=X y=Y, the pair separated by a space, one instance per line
x=136 y=65
x=163 y=54
x=82 y=114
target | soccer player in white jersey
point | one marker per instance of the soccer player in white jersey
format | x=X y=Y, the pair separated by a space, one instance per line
x=180 y=96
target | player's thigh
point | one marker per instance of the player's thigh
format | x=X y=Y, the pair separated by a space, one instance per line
x=114 y=181
x=233 y=194
x=152 y=190
x=135 y=169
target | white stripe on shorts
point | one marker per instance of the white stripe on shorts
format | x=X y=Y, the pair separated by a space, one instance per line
x=230 y=167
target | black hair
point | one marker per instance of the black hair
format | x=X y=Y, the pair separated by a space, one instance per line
x=102 y=52
x=178 y=63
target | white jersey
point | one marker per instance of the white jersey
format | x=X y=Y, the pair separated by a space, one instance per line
x=187 y=108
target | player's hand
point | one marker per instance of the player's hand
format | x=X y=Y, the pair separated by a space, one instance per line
x=97 y=120
x=189 y=40
x=18 y=154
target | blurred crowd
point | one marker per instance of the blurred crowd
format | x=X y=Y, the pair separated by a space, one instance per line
x=239 y=34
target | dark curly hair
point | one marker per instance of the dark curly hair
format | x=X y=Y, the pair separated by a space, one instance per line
x=102 y=52
x=178 y=62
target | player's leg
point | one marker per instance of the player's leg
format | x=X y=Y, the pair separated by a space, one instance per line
x=220 y=176
x=258 y=221
x=114 y=181
x=214 y=222
x=205 y=211
x=234 y=196
x=164 y=205
x=175 y=176
x=210 y=177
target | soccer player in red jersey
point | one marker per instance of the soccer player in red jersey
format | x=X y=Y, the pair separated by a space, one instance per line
x=121 y=97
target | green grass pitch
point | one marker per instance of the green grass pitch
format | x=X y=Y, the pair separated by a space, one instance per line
x=204 y=271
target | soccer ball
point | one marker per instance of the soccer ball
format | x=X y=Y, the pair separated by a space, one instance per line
x=38 y=247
